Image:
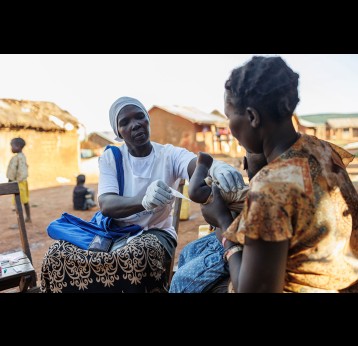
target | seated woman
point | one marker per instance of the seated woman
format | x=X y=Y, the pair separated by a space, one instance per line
x=201 y=267
x=299 y=225
x=141 y=263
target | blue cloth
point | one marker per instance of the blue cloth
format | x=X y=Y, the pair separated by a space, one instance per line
x=200 y=266
x=100 y=231
x=83 y=233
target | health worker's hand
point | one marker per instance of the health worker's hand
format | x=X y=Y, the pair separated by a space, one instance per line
x=158 y=193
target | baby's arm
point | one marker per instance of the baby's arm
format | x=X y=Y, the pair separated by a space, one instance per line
x=198 y=190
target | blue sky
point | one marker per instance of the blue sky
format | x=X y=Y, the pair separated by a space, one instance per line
x=87 y=84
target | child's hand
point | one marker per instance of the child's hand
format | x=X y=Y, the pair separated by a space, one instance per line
x=205 y=159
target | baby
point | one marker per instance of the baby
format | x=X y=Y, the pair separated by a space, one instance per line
x=201 y=266
x=199 y=189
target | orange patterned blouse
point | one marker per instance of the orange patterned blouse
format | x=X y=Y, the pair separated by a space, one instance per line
x=305 y=195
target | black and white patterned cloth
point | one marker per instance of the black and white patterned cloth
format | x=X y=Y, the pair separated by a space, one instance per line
x=140 y=266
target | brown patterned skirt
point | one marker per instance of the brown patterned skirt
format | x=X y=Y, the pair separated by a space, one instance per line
x=140 y=266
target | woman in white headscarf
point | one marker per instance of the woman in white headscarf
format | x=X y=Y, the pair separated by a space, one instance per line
x=150 y=170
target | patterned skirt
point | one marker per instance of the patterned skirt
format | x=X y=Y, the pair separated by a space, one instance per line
x=140 y=266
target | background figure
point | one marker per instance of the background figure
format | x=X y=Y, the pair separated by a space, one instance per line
x=17 y=170
x=83 y=197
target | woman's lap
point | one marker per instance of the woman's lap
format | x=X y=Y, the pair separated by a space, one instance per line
x=200 y=266
x=137 y=267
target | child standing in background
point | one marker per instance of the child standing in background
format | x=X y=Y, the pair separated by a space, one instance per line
x=17 y=170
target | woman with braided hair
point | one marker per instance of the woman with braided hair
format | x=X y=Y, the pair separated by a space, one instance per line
x=299 y=225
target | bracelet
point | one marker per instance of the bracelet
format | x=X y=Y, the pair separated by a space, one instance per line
x=230 y=251
x=227 y=250
x=223 y=240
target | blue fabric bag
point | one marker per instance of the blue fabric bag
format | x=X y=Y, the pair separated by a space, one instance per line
x=100 y=232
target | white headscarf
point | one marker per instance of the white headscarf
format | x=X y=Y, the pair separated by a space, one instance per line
x=117 y=107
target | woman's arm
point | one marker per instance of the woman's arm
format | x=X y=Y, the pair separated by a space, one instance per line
x=260 y=267
x=263 y=267
x=158 y=193
x=116 y=206
x=263 y=263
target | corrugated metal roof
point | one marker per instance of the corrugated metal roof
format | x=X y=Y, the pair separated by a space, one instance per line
x=215 y=111
x=343 y=123
x=195 y=115
x=322 y=118
x=107 y=135
x=353 y=145
x=306 y=123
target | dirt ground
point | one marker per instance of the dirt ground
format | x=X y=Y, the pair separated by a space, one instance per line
x=48 y=204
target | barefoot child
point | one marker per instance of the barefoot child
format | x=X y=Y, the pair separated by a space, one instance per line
x=17 y=170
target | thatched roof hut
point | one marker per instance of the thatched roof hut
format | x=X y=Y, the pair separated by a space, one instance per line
x=40 y=116
x=52 y=141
